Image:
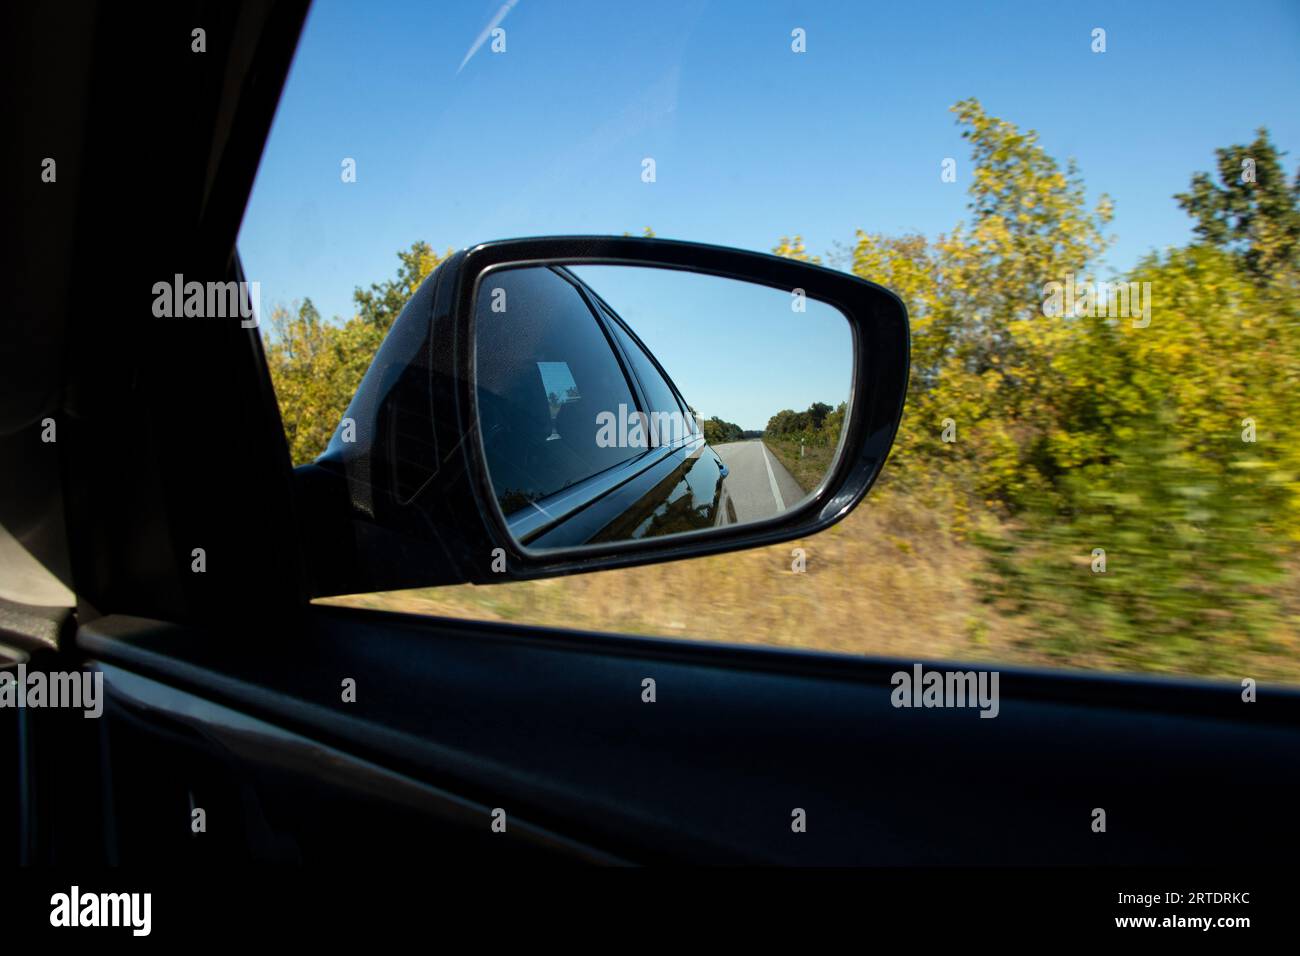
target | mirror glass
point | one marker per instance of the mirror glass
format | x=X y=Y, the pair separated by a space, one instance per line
x=622 y=402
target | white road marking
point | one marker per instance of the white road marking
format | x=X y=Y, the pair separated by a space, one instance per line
x=771 y=477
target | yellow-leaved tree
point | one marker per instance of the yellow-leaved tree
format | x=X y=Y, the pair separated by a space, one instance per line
x=316 y=365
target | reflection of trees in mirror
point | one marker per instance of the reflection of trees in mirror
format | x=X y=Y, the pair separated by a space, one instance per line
x=805 y=442
x=680 y=503
x=718 y=432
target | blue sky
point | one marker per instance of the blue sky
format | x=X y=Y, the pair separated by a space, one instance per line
x=733 y=349
x=751 y=141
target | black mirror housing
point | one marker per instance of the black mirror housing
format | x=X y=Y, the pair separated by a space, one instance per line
x=402 y=496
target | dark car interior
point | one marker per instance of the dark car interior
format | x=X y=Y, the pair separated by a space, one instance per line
x=226 y=687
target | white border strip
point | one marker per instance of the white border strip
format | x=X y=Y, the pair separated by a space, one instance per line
x=771 y=477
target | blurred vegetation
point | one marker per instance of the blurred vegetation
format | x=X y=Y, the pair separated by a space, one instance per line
x=1085 y=490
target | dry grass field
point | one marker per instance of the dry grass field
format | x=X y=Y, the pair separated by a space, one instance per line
x=892 y=579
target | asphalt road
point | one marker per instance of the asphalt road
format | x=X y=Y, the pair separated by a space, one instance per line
x=759 y=485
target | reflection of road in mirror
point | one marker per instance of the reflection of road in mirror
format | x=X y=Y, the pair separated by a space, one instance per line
x=759 y=485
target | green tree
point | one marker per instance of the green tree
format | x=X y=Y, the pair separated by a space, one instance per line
x=718 y=432
x=383 y=301
x=1252 y=210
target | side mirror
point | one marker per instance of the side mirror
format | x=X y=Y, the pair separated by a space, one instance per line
x=545 y=406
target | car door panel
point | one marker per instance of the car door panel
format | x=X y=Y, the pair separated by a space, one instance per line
x=552 y=726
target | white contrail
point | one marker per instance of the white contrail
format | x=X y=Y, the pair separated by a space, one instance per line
x=487 y=31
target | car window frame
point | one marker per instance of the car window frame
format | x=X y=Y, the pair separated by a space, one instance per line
x=538 y=517
x=634 y=389
x=614 y=318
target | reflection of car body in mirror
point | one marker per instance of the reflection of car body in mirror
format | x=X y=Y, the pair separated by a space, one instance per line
x=587 y=439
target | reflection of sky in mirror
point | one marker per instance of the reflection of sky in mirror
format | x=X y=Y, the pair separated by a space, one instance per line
x=735 y=349
x=558 y=382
